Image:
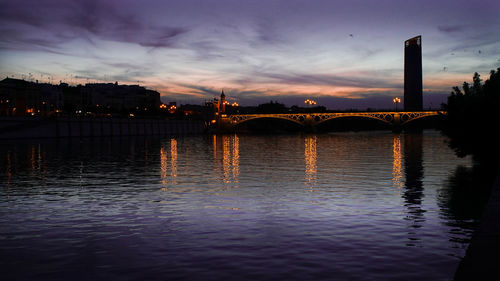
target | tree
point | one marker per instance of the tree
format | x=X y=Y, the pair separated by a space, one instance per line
x=271 y=107
x=473 y=117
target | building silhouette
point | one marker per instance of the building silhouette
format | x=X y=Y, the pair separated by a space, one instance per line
x=25 y=98
x=413 y=100
x=222 y=102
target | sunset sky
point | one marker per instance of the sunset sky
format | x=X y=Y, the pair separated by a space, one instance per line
x=345 y=54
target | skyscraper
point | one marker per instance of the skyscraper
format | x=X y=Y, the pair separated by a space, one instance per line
x=413 y=74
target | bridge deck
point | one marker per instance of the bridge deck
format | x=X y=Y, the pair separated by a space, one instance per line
x=311 y=119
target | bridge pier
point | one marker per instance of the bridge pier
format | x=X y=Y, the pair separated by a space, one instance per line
x=396 y=123
x=309 y=124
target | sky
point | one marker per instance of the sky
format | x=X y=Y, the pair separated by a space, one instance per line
x=343 y=54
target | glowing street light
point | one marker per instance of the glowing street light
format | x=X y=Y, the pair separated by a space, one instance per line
x=396 y=100
x=310 y=102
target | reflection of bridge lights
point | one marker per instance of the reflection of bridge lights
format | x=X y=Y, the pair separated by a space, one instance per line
x=230 y=153
x=397 y=174
x=173 y=158
x=236 y=158
x=310 y=156
x=310 y=102
x=164 y=164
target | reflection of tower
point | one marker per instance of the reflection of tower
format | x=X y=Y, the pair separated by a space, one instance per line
x=222 y=102
x=414 y=172
x=413 y=74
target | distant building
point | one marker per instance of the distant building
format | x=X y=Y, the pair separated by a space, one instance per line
x=23 y=98
x=413 y=100
x=218 y=106
x=121 y=98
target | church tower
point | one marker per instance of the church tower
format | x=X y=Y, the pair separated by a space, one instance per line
x=222 y=102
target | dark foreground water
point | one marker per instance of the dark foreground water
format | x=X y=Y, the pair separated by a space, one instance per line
x=346 y=206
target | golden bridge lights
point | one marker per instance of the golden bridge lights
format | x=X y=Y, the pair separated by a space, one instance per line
x=310 y=102
x=235 y=104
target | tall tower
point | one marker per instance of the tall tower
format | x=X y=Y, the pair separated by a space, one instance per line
x=413 y=100
x=222 y=102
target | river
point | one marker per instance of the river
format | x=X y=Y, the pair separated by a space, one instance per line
x=338 y=206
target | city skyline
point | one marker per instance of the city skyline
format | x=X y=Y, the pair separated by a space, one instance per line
x=345 y=54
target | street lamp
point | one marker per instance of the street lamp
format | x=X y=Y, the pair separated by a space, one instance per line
x=396 y=101
x=310 y=102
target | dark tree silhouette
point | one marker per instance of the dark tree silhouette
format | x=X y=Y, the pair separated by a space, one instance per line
x=474 y=117
x=271 y=107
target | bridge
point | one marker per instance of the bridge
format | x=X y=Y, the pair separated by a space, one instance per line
x=396 y=119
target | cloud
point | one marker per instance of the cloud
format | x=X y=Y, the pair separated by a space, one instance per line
x=451 y=28
x=61 y=21
x=201 y=90
x=364 y=79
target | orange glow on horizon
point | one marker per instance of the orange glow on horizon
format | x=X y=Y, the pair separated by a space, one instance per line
x=195 y=87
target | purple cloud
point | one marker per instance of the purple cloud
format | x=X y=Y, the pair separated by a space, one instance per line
x=63 y=21
x=450 y=28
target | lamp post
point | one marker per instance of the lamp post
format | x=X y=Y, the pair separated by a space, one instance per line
x=396 y=101
x=310 y=102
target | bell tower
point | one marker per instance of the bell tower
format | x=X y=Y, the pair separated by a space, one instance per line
x=222 y=102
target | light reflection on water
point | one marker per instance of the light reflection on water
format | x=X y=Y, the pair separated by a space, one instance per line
x=397 y=174
x=310 y=155
x=216 y=207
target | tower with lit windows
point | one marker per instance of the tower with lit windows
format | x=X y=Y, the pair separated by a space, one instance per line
x=413 y=100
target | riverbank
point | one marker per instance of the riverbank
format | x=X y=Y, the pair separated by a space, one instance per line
x=36 y=127
x=482 y=259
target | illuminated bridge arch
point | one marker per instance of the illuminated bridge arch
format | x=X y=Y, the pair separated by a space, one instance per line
x=391 y=118
x=313 y=119
x=295 y=118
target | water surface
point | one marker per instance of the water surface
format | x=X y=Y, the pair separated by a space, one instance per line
x=343 y=206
